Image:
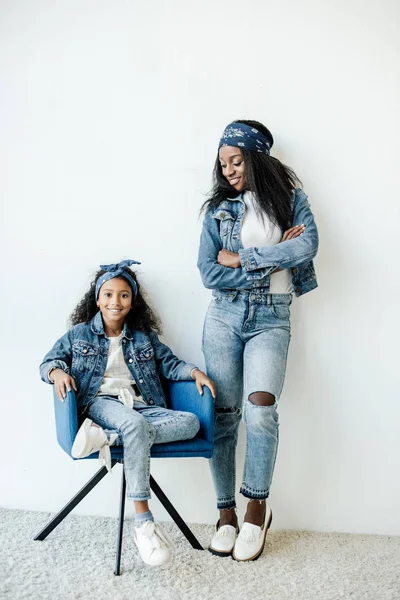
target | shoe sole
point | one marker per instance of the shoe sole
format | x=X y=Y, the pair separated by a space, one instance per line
x=258 y=554
x=220 y=554
x=81 y=445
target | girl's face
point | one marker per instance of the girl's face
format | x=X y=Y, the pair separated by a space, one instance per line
x=115 y=301
x=233 y=167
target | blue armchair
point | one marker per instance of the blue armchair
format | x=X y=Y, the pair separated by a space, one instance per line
x=181 y=395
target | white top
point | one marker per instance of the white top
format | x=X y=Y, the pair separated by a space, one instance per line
x=118 y=380
x=255 y=234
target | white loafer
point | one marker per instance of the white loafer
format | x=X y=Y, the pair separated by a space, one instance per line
x=152 y=544
x=90 y=439
x=251 y=539
x=223 y=540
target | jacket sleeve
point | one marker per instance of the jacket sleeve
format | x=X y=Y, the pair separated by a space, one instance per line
x=213 y=275
x=59 y=357
x=169 y=365
x=287 y=254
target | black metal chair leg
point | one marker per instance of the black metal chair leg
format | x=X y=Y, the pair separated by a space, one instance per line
x=121 y=523
x=72 y=503
x=189 y=535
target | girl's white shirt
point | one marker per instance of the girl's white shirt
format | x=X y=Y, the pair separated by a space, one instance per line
x=256 y=233
x=117 y=379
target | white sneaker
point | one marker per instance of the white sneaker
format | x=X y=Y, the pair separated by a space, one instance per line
x=152 y=544
x=223 y=540
x=251 y=539
x=90 y=439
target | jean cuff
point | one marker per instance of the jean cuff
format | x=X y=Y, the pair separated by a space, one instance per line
x=254 y=494
x=226 y=503
x=139 y=497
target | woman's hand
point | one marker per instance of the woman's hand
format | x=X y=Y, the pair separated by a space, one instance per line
x=293 y=232
x=62 y=380
x=228 y=259
x=232 y=260
x=201 y=379
x=290 y=234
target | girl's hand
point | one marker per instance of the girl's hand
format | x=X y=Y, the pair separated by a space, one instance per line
x=202 y=379
x=61 y=381
x=228 y=259
x=293 y=232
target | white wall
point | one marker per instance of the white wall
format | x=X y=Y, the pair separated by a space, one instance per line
x=110 y=116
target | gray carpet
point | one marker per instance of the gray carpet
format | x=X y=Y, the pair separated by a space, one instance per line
x=77 y=561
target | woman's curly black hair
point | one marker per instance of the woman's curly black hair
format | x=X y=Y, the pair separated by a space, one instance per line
x=141 y=317
x=271 y=181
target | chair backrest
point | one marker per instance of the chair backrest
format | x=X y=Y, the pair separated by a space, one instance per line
x=183 y=395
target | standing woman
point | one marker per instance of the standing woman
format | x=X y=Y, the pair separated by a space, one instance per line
x=256 y=249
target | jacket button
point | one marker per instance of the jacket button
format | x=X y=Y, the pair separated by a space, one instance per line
x=140 y=380
x=131 y=360
x=84 y=350
x=222 y=215
x=294 y=271
x=124 y=341
x=298 y=290
x=147 y=354
x=151 y=401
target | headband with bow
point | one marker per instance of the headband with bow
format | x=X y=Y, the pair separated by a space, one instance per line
x=117 y=270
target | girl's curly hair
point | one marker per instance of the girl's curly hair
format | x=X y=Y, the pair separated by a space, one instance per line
x=142 y=317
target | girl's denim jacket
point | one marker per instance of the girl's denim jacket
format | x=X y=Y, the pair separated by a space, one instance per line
x=221 y=229
x=83 y=351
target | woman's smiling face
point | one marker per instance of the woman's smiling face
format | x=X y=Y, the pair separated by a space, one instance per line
x=233 y=166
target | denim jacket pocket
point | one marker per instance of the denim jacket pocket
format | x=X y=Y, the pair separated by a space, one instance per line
x=144 y=353
x=84 y=356
x=227 y=221
x=145 y=360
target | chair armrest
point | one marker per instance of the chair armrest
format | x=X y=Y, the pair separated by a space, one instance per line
x=183 y=395
x=66 y=420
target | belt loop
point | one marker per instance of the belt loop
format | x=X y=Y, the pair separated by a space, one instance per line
x=232 y=295
x=269 y=300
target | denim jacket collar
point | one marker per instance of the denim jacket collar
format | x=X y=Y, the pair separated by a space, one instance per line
x=240 y=197
x=97 y=326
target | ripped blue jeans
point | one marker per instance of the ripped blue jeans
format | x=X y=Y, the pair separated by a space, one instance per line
x=245 y=343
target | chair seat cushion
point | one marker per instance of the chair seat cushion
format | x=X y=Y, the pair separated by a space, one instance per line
x=186 y=448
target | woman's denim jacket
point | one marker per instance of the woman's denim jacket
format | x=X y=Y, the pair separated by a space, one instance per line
x=221 y=229
x=83 y=351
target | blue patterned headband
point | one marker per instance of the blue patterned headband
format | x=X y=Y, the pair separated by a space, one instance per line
x=117 y=270
x=244 y=136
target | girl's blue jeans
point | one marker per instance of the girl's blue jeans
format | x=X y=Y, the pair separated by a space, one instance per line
x=138 y=429
x=245 y=344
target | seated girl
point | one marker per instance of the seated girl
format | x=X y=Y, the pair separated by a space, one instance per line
x=112 y=358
